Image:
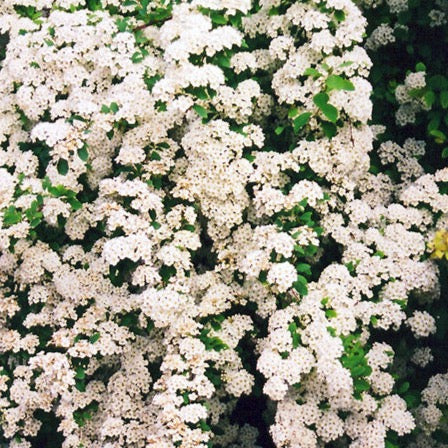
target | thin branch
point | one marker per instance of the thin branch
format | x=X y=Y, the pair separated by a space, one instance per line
x=152 y=22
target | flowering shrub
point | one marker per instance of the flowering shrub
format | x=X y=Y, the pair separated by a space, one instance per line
x=205 y=241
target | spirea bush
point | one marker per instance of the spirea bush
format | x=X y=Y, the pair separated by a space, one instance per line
x=223 y=224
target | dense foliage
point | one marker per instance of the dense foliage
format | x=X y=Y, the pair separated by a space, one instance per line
x=223 y=223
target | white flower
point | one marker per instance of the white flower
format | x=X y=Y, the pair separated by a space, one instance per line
x=282 y=275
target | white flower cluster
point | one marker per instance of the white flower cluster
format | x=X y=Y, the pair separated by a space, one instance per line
x=187 y=215
x=434 y=399
x=409 y=99
x=439 y=15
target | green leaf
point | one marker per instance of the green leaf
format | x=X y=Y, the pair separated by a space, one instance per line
x=27 y=11
x=420 y=67
x=314 y=73
x=94 y=338
x=11 y=216
x=151 y=81
x=83 y=153
x=166 y=272
x=302 y=279
x=74 y=117
x=336 y=82
x=306 y=217
x=185 y=398
x=244 y=44
x=301 y=121
x=321 y=99
x=156 y=182
x=94 y=5
x=293 y=112
x=279 y=130
x=160 y=106
x=299 y=249
x=35 y=222
x=412 y=399
x=212 y=342
x=80 y=373
x=380 y=254
x=434 y=123
x=122 y=24
x=304 y=268
x=62 y=167
x=403 y=303
x=438 y=82
x=57 y=190
x=430 y=98
x=330 y=112
x=113 y=107
x=214 y=376
x=445 y=153
x=330 y=313
x=330 y=129
x=204 y=426
x=340 y=15
x=201 y=111
x=105 y=109
x=217 y=18
x=415 y=93
x=294 y=335
x=361 y=385
x=223 y=61
x=360 y=370
x=155 y=156
x=140 y=37
x=444 y=99
x=74 y=203
x=301 y=285
x=439 y=136
x=199 y=92
x=33 y=215
x=137 y=57
x=216 y=322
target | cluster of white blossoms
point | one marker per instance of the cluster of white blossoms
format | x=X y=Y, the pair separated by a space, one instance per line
x=439 y=15
x=188 y=222
x=409 y=98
